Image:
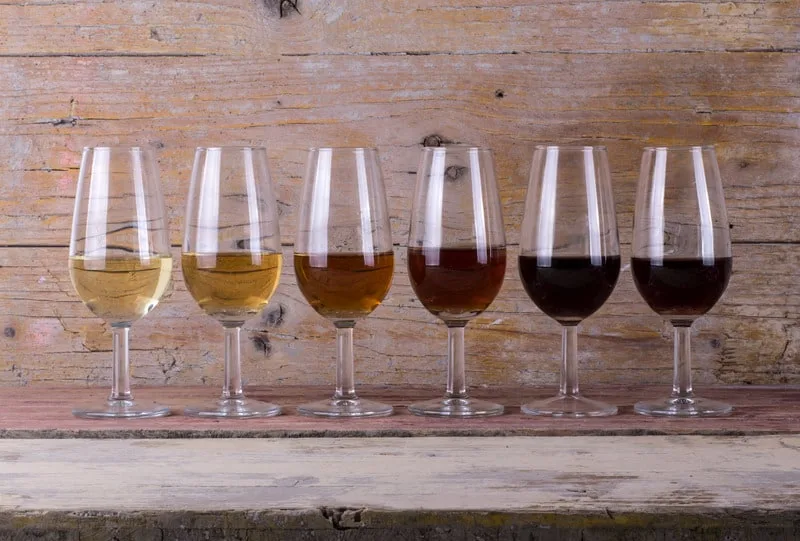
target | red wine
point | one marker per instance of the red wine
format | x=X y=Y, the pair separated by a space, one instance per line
x=569 y=289
x=681 y=289
x=456 y=284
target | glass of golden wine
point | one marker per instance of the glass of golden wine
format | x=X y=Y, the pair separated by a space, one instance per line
x=119 y=259
x=231 y=258
x=343 y=259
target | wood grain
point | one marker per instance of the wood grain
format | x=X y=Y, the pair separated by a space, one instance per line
x=637 y=488
x=44 y=412
x=504 y=74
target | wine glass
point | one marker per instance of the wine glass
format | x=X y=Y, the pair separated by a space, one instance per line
x=231 y=258
x=681 y=258
x=343 y=259
x=569 y=258
x=119 y=259
x=456 y=257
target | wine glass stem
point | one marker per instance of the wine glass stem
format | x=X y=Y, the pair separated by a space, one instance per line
x=120 y=368
x=456 y=378
x=682 y=381
x=569 y=360
x=345 y=386
x=232 y=388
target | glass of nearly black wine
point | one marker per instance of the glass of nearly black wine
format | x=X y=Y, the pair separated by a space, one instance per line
x=569 y=258
x=681 y=257
x=344 y=259
x=456 y=258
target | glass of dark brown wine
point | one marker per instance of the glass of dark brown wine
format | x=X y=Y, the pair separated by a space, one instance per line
x=231 y=258
x=569 y=258
x=681 y=258
x=119 y=258
x=344 y=259
x=456 y=258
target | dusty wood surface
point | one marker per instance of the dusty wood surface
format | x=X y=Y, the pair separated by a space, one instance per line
x=678 y=487
x=503 y=74
x=44 y=412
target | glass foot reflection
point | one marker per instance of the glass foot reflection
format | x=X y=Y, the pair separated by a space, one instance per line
x=239 y=408
x=564 y=405
x=456 y=407
x=345 y=407
x=683 y=407
x=121 y=409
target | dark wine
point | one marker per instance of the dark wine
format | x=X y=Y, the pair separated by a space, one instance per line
x=456 y=284
x=681 y=289
x=344 y=285
x=569 y=289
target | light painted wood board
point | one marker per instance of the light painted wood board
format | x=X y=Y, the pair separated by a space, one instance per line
x=751 y=336
x=45 y=412
x=690 y=475
x=747 y=103
x=253 y=27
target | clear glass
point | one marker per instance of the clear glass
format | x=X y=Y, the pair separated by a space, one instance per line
x=344 y=259
x=569 y=258
x=119 y=259
x=231 y=258
x=681 y=258
x=456 y=258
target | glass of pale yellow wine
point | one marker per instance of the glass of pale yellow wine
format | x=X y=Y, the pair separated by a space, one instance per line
x=231 y=258
x=119 y=259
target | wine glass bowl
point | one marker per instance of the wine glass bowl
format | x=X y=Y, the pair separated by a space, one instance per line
x=231 y=258
x=344 y=259
x=119 y=259
x=456 y=258
x=569 y=258
x=681 y=260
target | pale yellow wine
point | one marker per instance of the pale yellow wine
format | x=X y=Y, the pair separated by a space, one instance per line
x=232 y=287
x=120 y=290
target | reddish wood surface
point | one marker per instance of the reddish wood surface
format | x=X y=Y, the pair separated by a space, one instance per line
x=44 y=412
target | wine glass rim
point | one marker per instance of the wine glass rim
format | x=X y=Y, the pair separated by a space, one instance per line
x=118 y=147
x=232 y=147
x=315 y=149
x=457 y=146
x=570 y=147
x=679 y=147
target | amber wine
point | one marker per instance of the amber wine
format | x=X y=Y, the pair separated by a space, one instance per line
x=344 y=285
x=120 y=290
x=232 y=287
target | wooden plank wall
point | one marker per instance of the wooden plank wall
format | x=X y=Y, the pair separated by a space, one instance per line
x=502 y=73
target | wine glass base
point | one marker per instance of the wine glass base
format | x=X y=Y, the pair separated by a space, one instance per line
x=345 y=407
x=456 y=407
x=683 y=407
x=121 y=409
x=575 y=406
x=237 y=408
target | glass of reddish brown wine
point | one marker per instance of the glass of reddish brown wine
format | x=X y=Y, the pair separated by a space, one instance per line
x=456 y=258
x=569 y=258
x=344 y=259
x=681 y=258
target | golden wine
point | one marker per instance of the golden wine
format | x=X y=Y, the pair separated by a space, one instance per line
x=232 y=286
x=344 y=286
x=120 y=290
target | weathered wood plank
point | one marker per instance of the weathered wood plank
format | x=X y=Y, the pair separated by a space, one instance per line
x=748 y=103
x=751 y=336
x=637 y=488
x=253 y=27
x=44 y=412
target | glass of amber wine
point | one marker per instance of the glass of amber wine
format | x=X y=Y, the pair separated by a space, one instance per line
x=231 y=258
x=456 y=258
x=119 y=259
x=343 y=259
